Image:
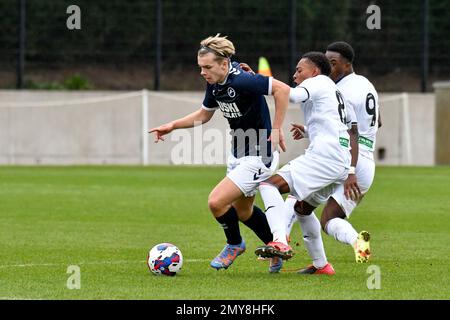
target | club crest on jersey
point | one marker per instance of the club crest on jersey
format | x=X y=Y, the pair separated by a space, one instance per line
x=231 y=92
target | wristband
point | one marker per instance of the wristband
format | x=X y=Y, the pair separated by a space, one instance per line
x=351 y=170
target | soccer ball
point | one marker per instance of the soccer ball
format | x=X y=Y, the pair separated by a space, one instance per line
x=165 y=259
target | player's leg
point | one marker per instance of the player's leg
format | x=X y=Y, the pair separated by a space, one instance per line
x=253 y=217
x=247 y=173
x=290 y=214
x=302 y=177
x=334 y=223
x=248 y=176
x=338 y=209
x=314 y=182
x=221 y=198
x=312 y=238
x=219 y=202
x=233 y=198
x=271 y=191
x=250 y=172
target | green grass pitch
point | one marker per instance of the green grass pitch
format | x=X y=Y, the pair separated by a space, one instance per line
x=105 y=219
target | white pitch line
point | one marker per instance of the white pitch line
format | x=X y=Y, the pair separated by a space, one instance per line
x=197 y=260
x=28 y=265
x=18 y=298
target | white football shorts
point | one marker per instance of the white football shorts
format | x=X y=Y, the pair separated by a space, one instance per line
x=365 y=172
x=312 y=178
x=248 y=172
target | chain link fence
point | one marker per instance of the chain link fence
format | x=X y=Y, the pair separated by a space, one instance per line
x=116 y=46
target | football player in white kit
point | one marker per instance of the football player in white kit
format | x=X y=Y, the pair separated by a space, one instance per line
x=313 y=177
x=361 y=95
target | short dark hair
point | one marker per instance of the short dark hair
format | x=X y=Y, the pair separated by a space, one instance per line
x=344 y=49
x=320 y=60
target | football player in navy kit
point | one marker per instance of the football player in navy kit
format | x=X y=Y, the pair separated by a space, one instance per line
x=254 y=156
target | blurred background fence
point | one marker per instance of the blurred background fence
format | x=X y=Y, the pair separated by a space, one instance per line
x=152 y=44
x=117 y=45
x=106 y=127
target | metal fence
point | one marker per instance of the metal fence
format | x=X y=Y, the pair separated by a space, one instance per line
x=152 y=43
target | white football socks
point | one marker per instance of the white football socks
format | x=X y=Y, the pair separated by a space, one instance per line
x=275 y=211
x=311 y=231
x=312 y=238
x=291 y=217
x=342 y=231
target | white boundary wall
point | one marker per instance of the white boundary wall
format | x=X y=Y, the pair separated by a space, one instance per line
x=102 y=127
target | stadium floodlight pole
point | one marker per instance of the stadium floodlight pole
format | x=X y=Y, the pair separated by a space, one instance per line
x=158 y=40
x=21 y=35
x=426 y=43
x=292 y=40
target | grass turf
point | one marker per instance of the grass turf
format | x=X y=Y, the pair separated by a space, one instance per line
x=105 y=219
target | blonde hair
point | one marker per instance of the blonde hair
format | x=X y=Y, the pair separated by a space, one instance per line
x=220 y=46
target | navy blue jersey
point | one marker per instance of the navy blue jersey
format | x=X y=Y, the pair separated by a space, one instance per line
x=242 y=102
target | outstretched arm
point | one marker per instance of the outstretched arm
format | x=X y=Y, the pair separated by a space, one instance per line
x=193 y=119
x=280 y=92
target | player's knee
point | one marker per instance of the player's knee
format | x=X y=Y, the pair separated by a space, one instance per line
x=331 y=211
x=324 y=218
x=215 y=205
x=276 y=182
x=328 y=215
x=301 y=209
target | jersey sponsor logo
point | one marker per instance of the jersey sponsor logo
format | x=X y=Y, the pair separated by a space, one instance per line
x=344 y=142
x=365 y=141
x=230 y=110
x=231 y=92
